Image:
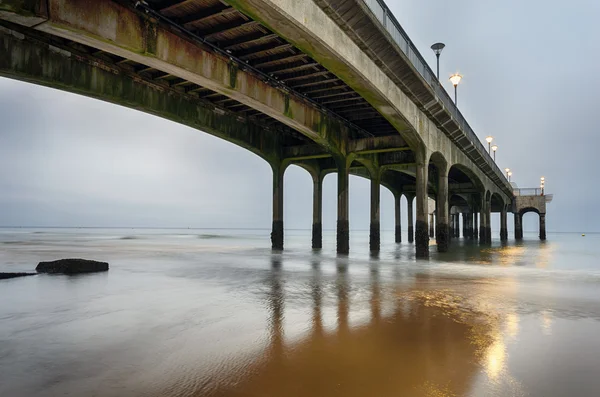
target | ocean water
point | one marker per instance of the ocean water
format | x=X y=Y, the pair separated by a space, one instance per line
x=216 y=313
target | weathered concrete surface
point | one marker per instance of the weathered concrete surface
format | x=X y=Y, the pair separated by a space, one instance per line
x=374 y=228
x=525 y=204
x=72 y=266
x=308 y=27
x=411 y=230
x=397 y=219
x=28 y=60
x=130 y=34
x=277 y=228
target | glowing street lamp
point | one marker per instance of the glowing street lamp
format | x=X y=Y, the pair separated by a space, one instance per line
x=542 y=182
x=494 y=148
x=489 y=140
x=509 y=173
x=437 y=48
x=507 y=170
x=455 y=79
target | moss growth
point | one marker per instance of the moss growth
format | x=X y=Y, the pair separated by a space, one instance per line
x=233 y=70
x=150 y=37
x=287 y=110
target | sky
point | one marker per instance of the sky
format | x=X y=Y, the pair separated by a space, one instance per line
x=530 y=80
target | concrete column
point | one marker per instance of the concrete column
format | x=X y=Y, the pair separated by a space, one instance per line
x=469 y=220
x=317 y=227
x=374 y=232
x=411 y=223
x=483 y=225
x=503 y=225
x=431 y=229
x=543 y=227
x=488 y=231
x=518 y=226
x=475 y=225
x=277 y=227
x=457 y=225
x=465 y=225
x=397 y=216
x=441 y=228
x=421 y=236
x=452 y=229
x=343 y=226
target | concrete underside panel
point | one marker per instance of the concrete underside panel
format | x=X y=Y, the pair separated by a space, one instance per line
x=33 y=61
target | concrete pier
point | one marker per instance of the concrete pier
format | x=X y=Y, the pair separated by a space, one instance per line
x=277 y=228
x=543 y=227
x=483 y=223
x=409 y=216
x=397 y=218
x=441 y=229
x=283 y=106
x=374 y=230
x=431 y=227
x=504 y=224
x=421 y=232
x=518 y=227
x=488 y=226
x=317 y=226
x=343 y=225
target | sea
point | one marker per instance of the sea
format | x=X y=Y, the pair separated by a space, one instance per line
x=210 y=312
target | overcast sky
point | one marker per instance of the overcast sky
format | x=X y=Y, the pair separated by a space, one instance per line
x=530 y=80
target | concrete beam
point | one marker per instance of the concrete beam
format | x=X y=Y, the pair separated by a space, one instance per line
x=121 y=30
x=393 y=143
x=29 y=59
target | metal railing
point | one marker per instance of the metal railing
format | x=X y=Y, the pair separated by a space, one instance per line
x=392 y=26
x=528 y=192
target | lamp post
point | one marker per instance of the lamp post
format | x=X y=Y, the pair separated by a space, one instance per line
x=542 y=183
x=437 y=48
x=455 y=79
x=489 y=140
x=494 y=148
x=507 y=170
x=509 y=173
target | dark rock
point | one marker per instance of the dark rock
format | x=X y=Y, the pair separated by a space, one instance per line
x=71 y=266
x=13 y=275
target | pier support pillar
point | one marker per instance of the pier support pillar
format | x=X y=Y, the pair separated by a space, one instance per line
x=543 y=227
x=431 y=228
x=483 y=223
x=465 y=225
x=277 y=227
x=518 y=226
x=475 y=225
x=343 y=226
x=411 y=223
x=397 y=218
x=488 y=231
x=421 y=235
x=317 y=226
x=452 y=229
x=469 y=220
x=503 y=225
x=457 y=225
x=374 y=231
x=441 y=228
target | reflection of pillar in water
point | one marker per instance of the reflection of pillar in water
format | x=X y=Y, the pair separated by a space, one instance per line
x=276 y=305
x=317 y=296
x=342 y=295
x=375 y=294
